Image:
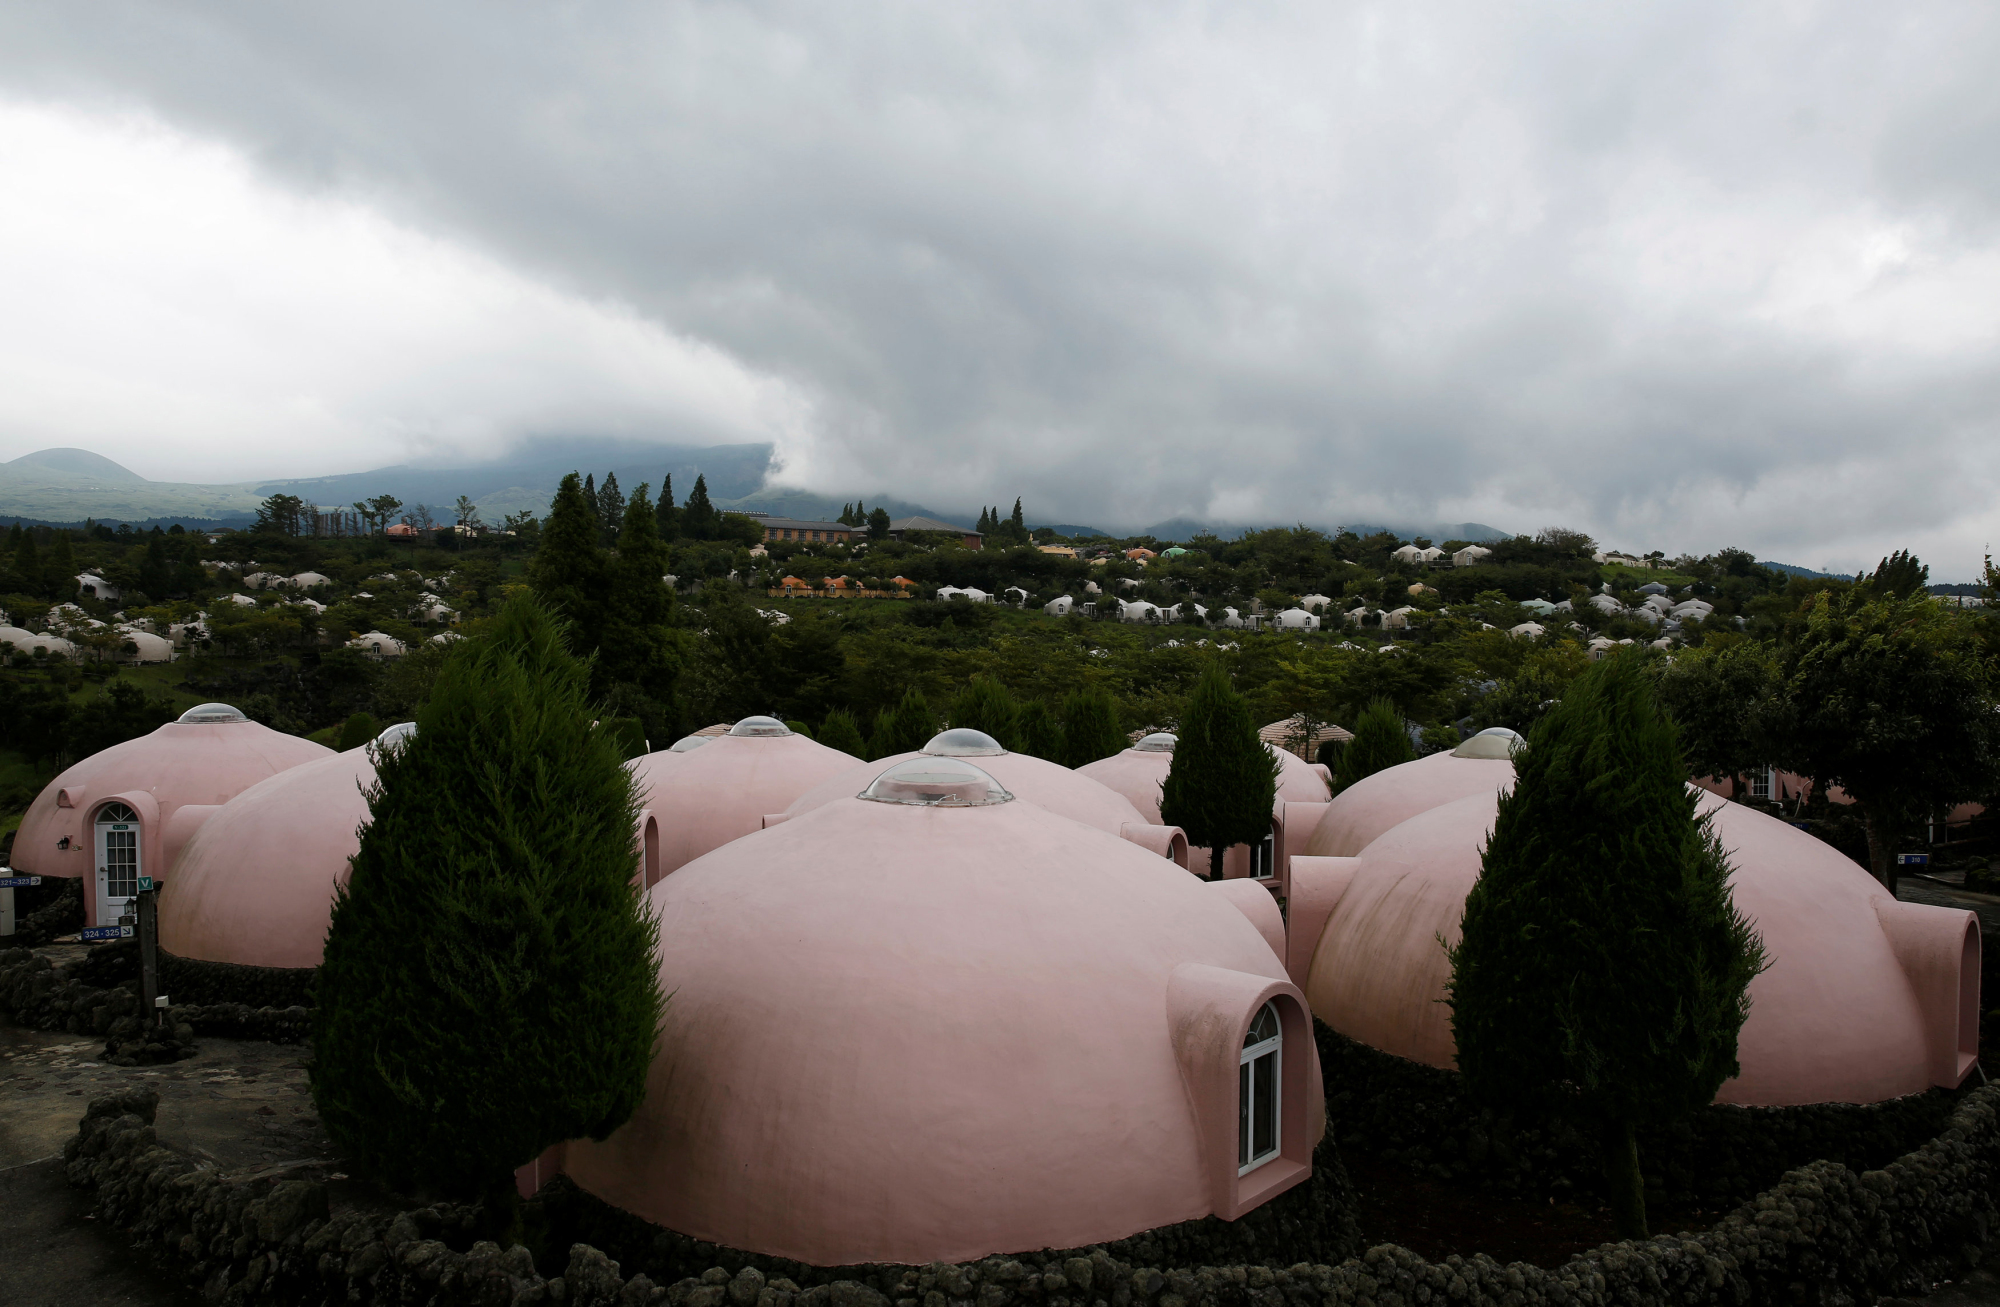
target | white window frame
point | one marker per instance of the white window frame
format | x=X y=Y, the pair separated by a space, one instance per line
x=1249 y=1105
x=1264 y=857
x=1763 y=783
x=115 y=819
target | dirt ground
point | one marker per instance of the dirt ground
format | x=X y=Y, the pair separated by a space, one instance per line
x=242 y=1105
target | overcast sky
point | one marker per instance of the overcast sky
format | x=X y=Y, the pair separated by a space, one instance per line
x=1682 y=275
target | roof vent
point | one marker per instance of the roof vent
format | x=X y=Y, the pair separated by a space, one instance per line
x=689 y=743
x=963 y=742
x=936 y=783
x=1493 y=742
x=1157 y=742
x=759 y=728
x=211 y=713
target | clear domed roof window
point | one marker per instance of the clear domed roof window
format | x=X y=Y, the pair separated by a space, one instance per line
x=1158 y=742
x=689 y=743
x=759 y=728
x=211 y=713
x=936 y=783
x=395 y=735
x=1493 y=742
x=963 y=742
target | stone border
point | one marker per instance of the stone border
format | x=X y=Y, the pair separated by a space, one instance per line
x=1421 y=1117
x=1823 y=1234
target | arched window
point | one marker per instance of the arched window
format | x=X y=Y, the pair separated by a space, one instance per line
x=1257 y=1082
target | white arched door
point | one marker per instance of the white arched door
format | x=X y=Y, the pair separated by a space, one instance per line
x=117 y=861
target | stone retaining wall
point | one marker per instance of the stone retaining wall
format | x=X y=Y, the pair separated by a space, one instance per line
x=97 y=994
x=1824 y=1235
x=1421 y=1117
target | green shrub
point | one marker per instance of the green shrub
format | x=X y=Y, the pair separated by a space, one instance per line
x=1090 y=727
x=1379 y=742
x=1223 y=780
x=838 y=731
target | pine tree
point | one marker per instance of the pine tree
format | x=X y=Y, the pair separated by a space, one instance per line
x=1090 y=726
x=906 y=729
x=665 y=514
x=878 y=524
x=699 y=519
x=637 y=648
x=1017 y=528
x=1037 y=733
x=838 y=731
x=590 y=498
x=569 y=572
x=1223 y=780
x=611 y=507
x=1379 y=742
x=489 y=986
x=1602 y=962
x=985 y=523
x=985 y=705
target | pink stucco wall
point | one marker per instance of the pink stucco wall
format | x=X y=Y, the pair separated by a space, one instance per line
x=910 y=1033
x=722 y=791
x=1375 y=804
x=180 y=764
x=1856 y=1005
x=1035 y=780
x=254 y=884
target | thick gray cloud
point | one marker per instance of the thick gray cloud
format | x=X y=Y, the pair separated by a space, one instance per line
x=1682 y=274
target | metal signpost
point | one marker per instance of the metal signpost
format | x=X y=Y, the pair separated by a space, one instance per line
x=8 y=884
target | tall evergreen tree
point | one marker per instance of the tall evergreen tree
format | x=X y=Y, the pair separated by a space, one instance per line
x=569 y=572
x=28 y=559
x=906 y=729
x=1602 y=963
x=59 y=569
x=1380 y=741
x=1090 y=726
x=489 y=985
x=1223 y=780
x=839 y=732
x=665 y=514
x=1899 y=574
x=637 y=647
x=590 y=498
x=985 y=705
x=878 y=524
x=699 y=520
x=611 y=507
x=1037 y=733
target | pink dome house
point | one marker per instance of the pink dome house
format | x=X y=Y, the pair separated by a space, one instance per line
x=929 y=1022
x=1374 y=804
x=253 y=880
x=1030 y=779
x=1865 y=999
x=1138 y=772
x=110 y=818
x=720 y=791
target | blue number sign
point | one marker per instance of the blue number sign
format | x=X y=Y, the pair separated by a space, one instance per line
x=105 y=932
x=18 y=882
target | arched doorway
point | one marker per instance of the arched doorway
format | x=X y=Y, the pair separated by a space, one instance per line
x=117 y=848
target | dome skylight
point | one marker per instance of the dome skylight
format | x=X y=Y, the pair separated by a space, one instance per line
x=1493 y=742
x=213 y=713
x=963 y=742
x=759 y=728
x=1158 y=742
x=936 y=783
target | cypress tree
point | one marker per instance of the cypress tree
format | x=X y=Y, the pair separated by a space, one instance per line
x=985 y=705
x=1379 y=741
x=569 y=572
x=1037 y=733
x=1602 y=964
x=699 y=519
x=838 y=731
x=590 y=497
x=878 y=524
x=665 y=515
x=637 y=646
x=489 y=986
x=611 y=507
x=1223 y=780
x=906 y=729
x=1090 y=726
